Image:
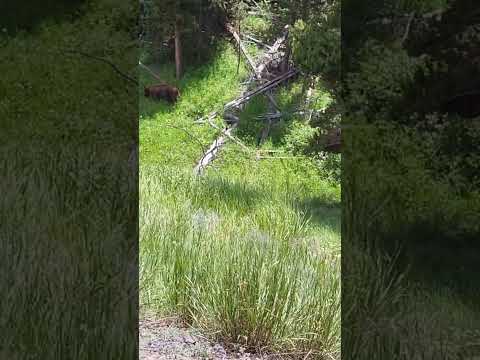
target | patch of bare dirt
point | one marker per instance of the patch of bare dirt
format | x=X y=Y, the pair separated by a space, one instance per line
x=168 y=340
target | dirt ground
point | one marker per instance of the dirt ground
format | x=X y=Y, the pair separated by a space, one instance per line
x=168 y=340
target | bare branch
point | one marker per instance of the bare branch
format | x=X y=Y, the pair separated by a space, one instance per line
x=250 y=62
x=211 y=153
x=188 y=133
x=250 y=95
x=260 y=90
x=256 y=41
x=227 y=134
x=117 y=70
x=407 y=29
x=150 y=71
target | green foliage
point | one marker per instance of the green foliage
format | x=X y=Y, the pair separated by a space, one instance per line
x=65 y=272
x=67 y=77
x=260 y=26
x=406 y=183
x=316 y=48
x=380 y=79
x=200 y=23
x=330 y=166
x=420 y=6
x=67 y=125
x=298 y=137
x=387 y=316
x=221 y=250
x=405 y=151
x=22 y=16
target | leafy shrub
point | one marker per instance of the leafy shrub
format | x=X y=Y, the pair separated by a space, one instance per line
x=299 y=137
x=316 y=48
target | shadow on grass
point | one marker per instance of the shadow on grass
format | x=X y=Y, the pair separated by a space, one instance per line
x=233 y=195
x=439 y=258
x=325 y=213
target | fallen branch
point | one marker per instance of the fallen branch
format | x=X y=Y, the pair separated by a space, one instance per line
x=274 y=49
x=257 y=73
x=188 y=133
x=219 y=142
x=250 y=95
x=256 y=41
x=231 y=137
x=211 y=153
x=260 y=90
x=150 y=71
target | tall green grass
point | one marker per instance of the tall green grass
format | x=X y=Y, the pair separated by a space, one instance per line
x=386 y=316
x=69 y=264
x=68 y=201
x=249 y=253
x=255 y=276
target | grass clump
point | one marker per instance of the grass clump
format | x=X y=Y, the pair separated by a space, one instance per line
x=258 y=277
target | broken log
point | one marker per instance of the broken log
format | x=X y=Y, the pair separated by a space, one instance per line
x=250 y=95
x=257 y=73
x=211 y=153
x=276 y=46
x=260 y=90
x=231 y=137
x=238 y=103
x=256 y=41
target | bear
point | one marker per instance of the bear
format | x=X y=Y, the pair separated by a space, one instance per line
x=163 y=91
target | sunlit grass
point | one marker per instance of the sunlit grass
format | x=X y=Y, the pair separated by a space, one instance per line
x=249 y=252
x=239 y=261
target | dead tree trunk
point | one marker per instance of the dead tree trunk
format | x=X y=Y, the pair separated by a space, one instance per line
x=211 y=153
x=178 y=47
x=237 y=104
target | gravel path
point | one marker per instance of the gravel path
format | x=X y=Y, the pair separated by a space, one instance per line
x=166 y=340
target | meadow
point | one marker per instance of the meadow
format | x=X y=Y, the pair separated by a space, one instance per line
x=249 y=252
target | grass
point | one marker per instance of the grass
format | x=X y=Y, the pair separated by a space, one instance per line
x=386 y=315
x=65 y=241
x=248 y=268
x=68 y=204
x=249 y=253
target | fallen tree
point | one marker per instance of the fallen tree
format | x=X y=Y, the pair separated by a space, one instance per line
x=263 y=77
x=211 y=153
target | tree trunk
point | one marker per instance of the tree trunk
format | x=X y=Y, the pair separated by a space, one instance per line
x=157 y=44
x=178 y=47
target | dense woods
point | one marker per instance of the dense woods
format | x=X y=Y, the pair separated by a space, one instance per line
x=410 y=178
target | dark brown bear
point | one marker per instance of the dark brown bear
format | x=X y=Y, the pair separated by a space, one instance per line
x=162 y=91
